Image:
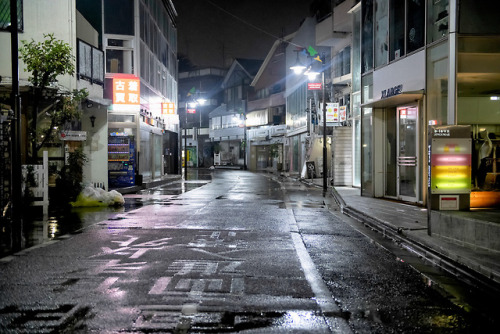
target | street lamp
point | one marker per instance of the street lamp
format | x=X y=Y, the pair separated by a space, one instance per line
x=193 y=104
x=311 y=73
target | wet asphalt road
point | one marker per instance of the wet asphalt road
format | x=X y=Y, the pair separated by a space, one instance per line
x=242 y=253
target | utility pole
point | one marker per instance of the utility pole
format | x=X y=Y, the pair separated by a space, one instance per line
x=325 y=167
x=17 y=222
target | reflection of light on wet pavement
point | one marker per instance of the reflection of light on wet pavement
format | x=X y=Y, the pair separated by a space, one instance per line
x=53 y=228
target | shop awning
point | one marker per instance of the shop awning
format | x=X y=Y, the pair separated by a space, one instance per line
x=396 y=100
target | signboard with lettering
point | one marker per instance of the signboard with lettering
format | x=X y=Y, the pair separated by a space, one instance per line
x=451 y=159
x=69 y=135
x=334 y=113
x=343 y=113
x=126 y=90
x=314 y=86
x=392 y=91
x=168 y=108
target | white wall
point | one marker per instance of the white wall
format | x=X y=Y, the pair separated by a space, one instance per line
x=42 y=17
x=95 y=147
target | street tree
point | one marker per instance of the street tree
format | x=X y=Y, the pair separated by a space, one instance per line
x=52 y=105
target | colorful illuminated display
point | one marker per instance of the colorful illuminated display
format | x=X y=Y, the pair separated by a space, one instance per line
x=451 y=165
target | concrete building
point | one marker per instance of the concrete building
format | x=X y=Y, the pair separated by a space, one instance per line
x=140 y=44
x=304 y=141
x=423 y=63
x=116 y=45
x=62 y=19
x=266 y=112
x=200 y=92
x=227 y=122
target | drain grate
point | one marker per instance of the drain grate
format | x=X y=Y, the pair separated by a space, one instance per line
x=42 y=318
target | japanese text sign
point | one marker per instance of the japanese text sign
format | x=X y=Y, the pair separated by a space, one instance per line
x=451 y=160
x=168 y=108
x=126 y=91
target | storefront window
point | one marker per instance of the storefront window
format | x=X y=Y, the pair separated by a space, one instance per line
x=478 y=105
x=396 y=29
x=437 y=15
x=356 y=52
x=119 y=17
x=437 y=83
x=119 y=61
x=158 y=155
x=367 y=138
x=415 y=28
x=367 y=36
x=381 y=32
x=356 y=119
x=296 y=115
x=479 y=17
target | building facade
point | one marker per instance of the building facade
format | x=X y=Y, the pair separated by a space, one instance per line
x=227 y=122
x=303 y=133
x=266 y=112
x=421 y=63
x=200 y=92
x=140 y=45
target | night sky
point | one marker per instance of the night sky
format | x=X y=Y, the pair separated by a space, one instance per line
x=208 y=36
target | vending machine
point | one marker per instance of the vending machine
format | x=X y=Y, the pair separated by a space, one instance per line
x=121 y=161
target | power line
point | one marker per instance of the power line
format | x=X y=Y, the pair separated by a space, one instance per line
x=252 y=25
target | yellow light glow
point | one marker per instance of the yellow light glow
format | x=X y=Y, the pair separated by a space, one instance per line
x=447 y=169
x=454 y=185
x=452 y=176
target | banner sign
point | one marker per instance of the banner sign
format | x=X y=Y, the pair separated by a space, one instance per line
x=314 y=86
x=69 y=135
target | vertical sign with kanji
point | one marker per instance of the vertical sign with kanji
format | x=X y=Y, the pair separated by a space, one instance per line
x=126 y=91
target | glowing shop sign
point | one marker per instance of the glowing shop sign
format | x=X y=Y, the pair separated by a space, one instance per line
x=168 y=108
x=451 y=165
x=126 y=90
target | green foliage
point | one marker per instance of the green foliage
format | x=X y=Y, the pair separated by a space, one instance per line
x=47 y=59
x=69 y=183
x=64 y=110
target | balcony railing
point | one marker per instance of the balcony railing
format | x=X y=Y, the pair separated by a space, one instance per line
x=90 y=63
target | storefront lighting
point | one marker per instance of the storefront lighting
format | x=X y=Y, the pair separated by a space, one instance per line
x=450 y=159
x=451 y=186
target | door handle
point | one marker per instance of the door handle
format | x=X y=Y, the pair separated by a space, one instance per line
x=407 y=161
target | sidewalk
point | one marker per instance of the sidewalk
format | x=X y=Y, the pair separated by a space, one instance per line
x=410 y=223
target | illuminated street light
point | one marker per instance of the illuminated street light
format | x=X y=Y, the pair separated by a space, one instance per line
x=311 y=73
x=298 y=67
x=192 y=109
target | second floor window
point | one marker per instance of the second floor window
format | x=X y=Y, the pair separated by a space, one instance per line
x=5 y=15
